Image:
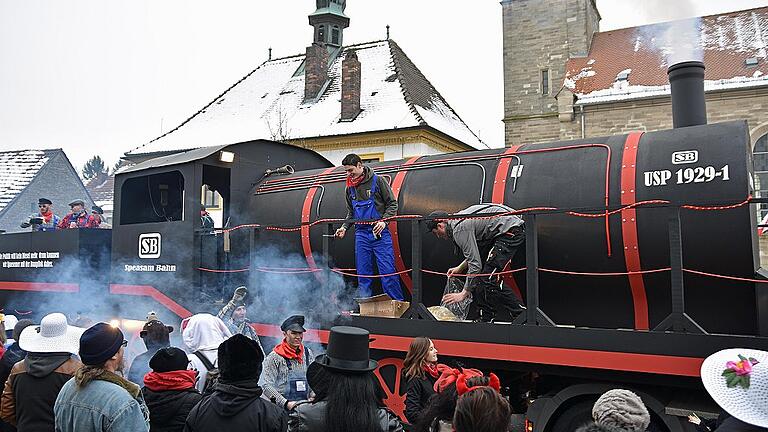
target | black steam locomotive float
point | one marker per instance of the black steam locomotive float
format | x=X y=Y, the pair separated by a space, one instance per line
x=641 y=257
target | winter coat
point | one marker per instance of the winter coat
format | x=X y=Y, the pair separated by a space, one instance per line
x=168 y=409
x=236 y=406
x=31 y=390
x=108 y=403
x=276 y=373
x=204 y=333
x=82 y=220
x=12 y=355
x=310 y=417
x=418 y=392
x=386 y=204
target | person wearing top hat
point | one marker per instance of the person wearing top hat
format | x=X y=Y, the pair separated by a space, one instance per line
x=353 y=400
x=98 y=398
x=44 y=219
x=34 y=384
x=77 y=216
x=285 y=369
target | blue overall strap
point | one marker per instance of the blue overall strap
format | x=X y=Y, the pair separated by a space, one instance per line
x=353 y=195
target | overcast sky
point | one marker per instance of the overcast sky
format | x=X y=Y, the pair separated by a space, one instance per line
x=105 y=76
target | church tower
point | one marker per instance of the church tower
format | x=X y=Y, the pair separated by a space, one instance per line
x=539 y=38
x=329 y=22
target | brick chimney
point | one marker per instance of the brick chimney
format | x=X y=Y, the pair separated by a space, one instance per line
x=315 y=71
x=350 y=87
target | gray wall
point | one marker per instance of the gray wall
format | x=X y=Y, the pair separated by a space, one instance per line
x=57 y=181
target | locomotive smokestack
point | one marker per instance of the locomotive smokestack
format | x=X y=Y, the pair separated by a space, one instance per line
x=689 y=107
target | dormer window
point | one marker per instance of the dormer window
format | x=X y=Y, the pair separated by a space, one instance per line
x=623 y=75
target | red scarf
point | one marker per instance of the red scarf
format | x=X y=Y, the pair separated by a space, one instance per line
x=431 y=370
x=355 y=182
x=174 y=380
x=47 y=216
x=286 y=351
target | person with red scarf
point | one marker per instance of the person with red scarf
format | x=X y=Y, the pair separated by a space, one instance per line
x=44 y=219
x=421 y=372
x=169 y=390
x=77 y=217
x=369 y=198
x=284 y=378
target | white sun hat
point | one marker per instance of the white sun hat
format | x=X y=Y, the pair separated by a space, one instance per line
x=51 y=336
x=749 y=405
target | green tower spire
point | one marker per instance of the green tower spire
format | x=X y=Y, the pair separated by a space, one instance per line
x=329 y=22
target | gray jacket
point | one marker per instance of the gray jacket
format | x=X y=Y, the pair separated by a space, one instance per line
x=310 y=417
x=275 y=373
x=385 y=201
x=472 y=234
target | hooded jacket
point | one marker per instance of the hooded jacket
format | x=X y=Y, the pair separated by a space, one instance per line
x=204 y=333
x=32 y=388
x=236 y=406
x=168 y=409
x=12 y=355
x=310 y=417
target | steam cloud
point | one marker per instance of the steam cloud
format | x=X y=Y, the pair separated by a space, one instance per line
x=677 y=41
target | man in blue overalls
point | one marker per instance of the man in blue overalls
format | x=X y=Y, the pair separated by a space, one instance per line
x=370 y=198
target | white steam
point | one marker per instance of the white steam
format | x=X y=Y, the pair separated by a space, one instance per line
x=676 y=41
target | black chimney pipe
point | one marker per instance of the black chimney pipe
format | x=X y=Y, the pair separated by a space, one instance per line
x=689 y=107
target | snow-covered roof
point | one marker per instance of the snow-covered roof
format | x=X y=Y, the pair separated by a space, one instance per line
x=268 y=103
x=101 y=188
x=18 y=169
x=724 y=42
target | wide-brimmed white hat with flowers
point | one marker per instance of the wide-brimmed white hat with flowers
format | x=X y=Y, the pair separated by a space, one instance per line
x=51 y=336
x=737 y=379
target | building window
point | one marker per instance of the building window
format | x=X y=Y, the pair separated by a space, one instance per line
x=372 y=157
x=545 y=81
x=760 y=161
x=211 y=198
x=321 y=34
x=335 y=35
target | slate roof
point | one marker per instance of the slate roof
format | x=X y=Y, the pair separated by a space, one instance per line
x=725 y=42
x=394 y=94
x=18 y=169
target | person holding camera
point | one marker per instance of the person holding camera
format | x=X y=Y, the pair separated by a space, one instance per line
x=44 y=219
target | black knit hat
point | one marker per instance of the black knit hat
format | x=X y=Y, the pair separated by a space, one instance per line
x=240 y=358
x=99 y=343
x=169 y=359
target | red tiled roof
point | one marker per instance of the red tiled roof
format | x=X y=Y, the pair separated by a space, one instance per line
x=726 y=41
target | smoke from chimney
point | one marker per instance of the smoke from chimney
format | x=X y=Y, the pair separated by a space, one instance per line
x=689 y=106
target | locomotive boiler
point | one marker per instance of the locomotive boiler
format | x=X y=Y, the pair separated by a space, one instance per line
x=609 y=201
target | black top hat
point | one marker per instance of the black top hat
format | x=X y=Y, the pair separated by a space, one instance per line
x=432 y=224
x=44 y=201
x=293 y=323
x=97 y=209
x=348 y=350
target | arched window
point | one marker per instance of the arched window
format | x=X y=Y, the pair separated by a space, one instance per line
x=320 y=34
x=760 y=160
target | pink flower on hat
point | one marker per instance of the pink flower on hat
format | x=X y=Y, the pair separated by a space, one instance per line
x=738 y=373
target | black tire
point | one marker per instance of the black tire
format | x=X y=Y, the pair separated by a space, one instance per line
x=575 y=416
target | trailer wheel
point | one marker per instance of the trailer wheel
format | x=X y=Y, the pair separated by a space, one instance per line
x=575 y=416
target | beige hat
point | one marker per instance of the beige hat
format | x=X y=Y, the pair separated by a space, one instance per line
x=51 y=336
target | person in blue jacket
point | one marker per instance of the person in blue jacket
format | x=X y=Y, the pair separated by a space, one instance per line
x=369 y=198
x=43 y=220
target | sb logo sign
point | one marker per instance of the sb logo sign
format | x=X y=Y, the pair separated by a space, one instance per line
x=685 y=157
x=150 y=245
